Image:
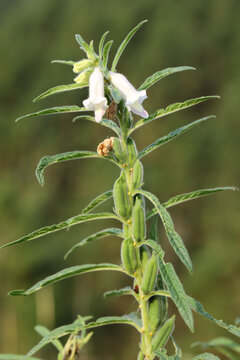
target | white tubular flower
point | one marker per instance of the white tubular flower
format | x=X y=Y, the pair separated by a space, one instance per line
x=96 y=101
x=132 y=97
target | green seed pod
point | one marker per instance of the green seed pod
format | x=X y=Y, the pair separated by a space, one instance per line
x=117 y=149
x=154 y=312
x=149 y=275
x=126 y=232
x=121 y=198
x=128 y=255
x=161 y=337
x=138 y=220
x=162 y=299
x=132 y=152
x=144 y=256
x=140 y=355
x=137 y=175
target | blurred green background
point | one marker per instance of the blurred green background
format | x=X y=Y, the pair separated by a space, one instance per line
x=201 y=33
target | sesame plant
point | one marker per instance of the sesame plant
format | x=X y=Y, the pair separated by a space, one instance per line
x=115 y=103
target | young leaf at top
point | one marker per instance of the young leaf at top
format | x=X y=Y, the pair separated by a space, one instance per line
x=66 y=273
x=151 y=80
x=173 y=237
x=106 y=50
x=59 y=89
x=54 y=110
x=172 y=135
x=170 y=110
x=71 y=155
x=95 y=236
x=101 y=43
x=85 y=47
x=124 y=44
x=62 y=225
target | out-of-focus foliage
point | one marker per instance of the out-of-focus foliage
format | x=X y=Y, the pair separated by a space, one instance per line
x=203 y=34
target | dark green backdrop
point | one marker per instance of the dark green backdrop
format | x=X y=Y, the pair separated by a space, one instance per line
x=201 y=33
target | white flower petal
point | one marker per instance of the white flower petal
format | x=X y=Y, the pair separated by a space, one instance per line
x=133 y=97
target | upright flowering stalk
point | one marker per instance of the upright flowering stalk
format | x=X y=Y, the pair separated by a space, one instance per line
x=154 y=280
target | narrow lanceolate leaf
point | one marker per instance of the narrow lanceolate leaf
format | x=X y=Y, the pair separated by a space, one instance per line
x=220 y=342
x=179 y=199
x=151 y=80
x=54 y=110
x=97 y=235
x=16 y=357
x=63 y=225
x=156 y=247
x=171 y=109
x=71 y=155
x=177 y=292
x=66 y=273
x=98 y=201
x=101 y=43
x=106 y=50
x=65 y=62
x=124 y=44
x=119 y=292
x=53 y=335
x=85 y=47
x=205 y=356
x=173 y=237
x=59 y=89
x=130 y=319
x=105 y=122
x=172 y=135
x=198 y=308
x=43 y=331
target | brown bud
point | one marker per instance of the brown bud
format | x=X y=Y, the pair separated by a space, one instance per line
x=105 y=146
x=111 y=110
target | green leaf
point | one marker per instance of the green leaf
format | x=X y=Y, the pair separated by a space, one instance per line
x=153 y=233
x=159 y=75
x=156 y=247
x=177 y=292
x=170 y=110
x=95 y=236
x=131 y=319
x=106 y=50
x=105 y=122
x=124 y=44
x=63 y=225
x=173 y=237
x=85 y=47
x=205 y=356
x=198 y=308
x=16 y=357
x=71 y=155
x=172 y=135
x=54 y=110
x=119 y=292
x=66 y=273
x=220 y=341
x=65 y=62
x=101 y=43
x=179 y=199
x=97 y=201
x=59 y=89
x=43 y=331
